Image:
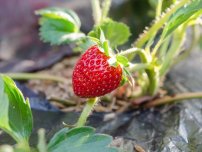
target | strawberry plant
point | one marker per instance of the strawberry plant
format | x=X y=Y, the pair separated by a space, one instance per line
x=103 y=68
x=16 y=120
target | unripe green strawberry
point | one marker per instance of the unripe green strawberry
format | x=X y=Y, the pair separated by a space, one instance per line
x=93 y=76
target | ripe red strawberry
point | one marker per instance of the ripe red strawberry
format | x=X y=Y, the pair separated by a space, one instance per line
x=93 y=76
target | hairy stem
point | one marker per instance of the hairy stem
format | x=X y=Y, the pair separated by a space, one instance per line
x=158 y=24
x=164 y=47
x=152 y=72
x=177 y=41
x=194 y=41
x=29 y=76
x=105 y=9
x=159 y=8
x=130 y=54
x=154 y=79
x=138 y=67
x=42 y=146
x=23 y=145
x=170 y=99
x=86 y=111
x=97 y=13
x=157 y=47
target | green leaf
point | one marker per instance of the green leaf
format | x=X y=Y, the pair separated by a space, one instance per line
x=57 y=31
x=15 y=112
x=182 y=15
x=117 y=33
x=123 y=60
x=81 y=139
x=60 y=13
x=59 y=26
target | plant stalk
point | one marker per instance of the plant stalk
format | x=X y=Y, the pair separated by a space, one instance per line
x=105 y=9
x=164 y=47
x=152 y=71
x=194 y=40
x=86 y=111
x=159 y=8
x=170 y=99
x=177 y=41
x=158 y=24
x=97 y=12
x=23 y=146
x=138 y=67
x=42 y=146
x=154 y=79
x=28 y=76
x=130 y=54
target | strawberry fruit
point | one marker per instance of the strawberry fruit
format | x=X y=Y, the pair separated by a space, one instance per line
x=93 y=76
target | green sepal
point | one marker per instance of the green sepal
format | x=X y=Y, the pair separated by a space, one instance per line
x=95 y=40
x=104 y=43
x=102 y=36
x=122 y=60
x=129 y=77
x=123 y=80
x=85 y=43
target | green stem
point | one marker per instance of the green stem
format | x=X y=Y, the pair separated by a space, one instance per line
x=138 y=67
x=143 y=82
x=164 y=47
x=41 y=146
x=28 y=76
x=159 y=8
x=194 y=41
x=86 y=111
x=130 y=54
x=177 y=40
x=152 y=71
x=23 y=146
x=154 y=79
x=105 y=9
x=97 y=13
x=169 y=99
x=158 y=24
x=157 y=46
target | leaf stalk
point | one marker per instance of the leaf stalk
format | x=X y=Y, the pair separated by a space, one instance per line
x=30 y=76
x=86 y=111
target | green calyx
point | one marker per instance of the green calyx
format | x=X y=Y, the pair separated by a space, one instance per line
x=104 y=46
x=118 y=60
